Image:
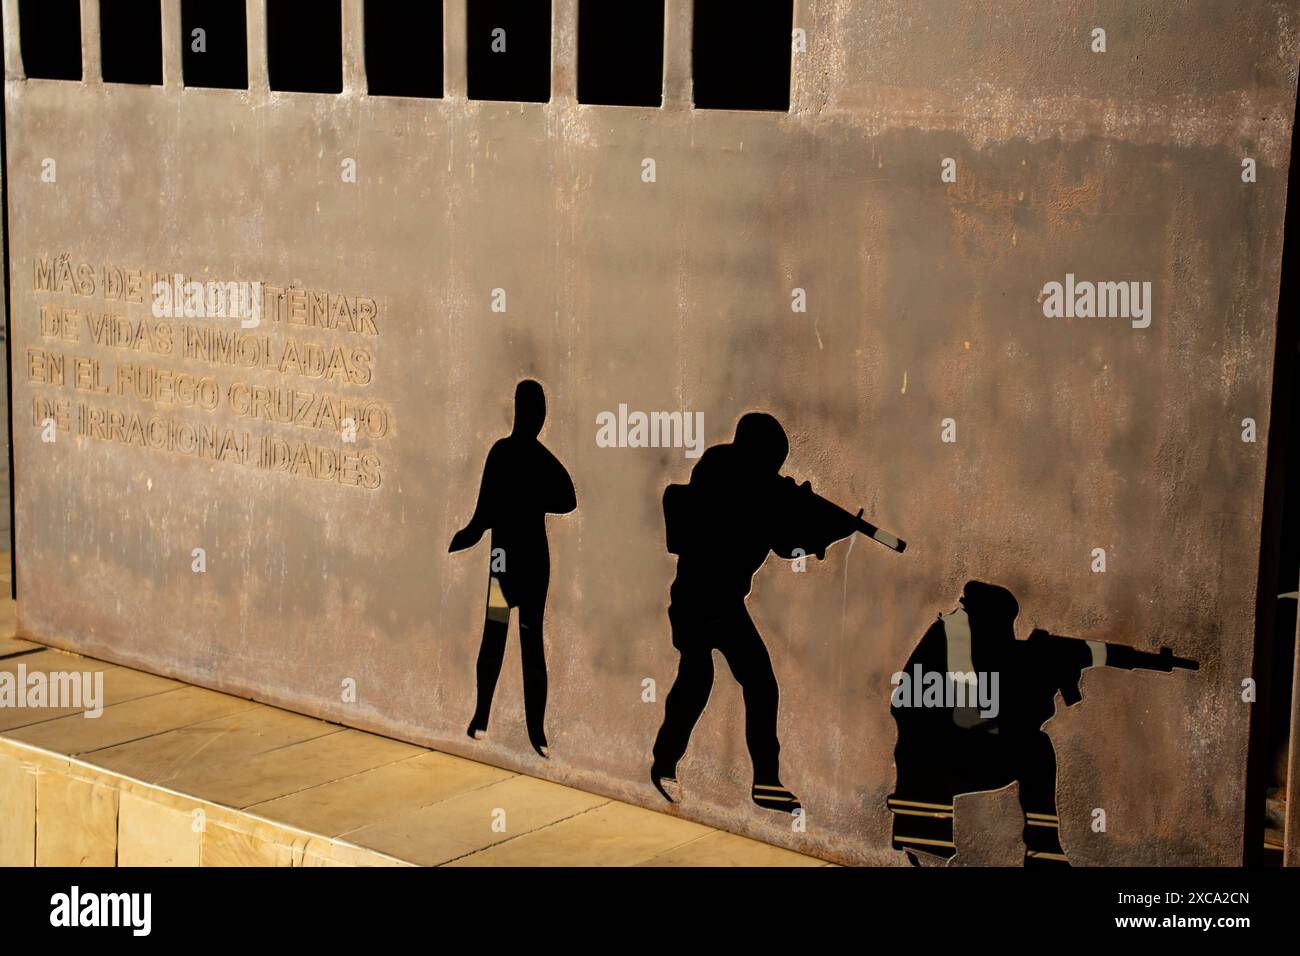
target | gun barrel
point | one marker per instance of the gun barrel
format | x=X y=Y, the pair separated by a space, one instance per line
x=830 y=516
x=1120 y=655
x=878 y=534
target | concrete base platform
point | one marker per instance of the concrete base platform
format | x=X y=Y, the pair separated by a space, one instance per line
x=176 y=775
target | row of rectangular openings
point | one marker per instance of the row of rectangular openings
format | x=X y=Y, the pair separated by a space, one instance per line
x=740 y=52
x=304 y=41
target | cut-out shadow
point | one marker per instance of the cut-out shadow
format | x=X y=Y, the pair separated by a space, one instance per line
x=970 y=705
x=522 y=483
x=736 y=509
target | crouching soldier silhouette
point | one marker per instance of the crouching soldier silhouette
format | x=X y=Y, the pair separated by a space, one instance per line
x=970 y=705
x=736 y=509
x=522 y=483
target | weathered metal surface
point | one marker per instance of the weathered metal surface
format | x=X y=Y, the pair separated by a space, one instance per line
x=987 y=828
x=924 y=303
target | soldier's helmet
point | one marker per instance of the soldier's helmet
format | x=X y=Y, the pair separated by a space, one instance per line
x=990 y=604
x=762 y=440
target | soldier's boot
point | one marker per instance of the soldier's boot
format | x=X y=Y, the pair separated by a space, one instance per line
x=666 y=783
x=774 y=797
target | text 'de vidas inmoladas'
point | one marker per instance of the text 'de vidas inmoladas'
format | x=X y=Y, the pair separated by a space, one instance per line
x=1100 y=300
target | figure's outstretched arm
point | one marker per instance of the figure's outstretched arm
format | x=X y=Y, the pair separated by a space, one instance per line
x=808 y=523
x=1068 y=657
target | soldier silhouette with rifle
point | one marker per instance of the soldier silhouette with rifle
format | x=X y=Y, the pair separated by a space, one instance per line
x=736 y=509
x=948 y=745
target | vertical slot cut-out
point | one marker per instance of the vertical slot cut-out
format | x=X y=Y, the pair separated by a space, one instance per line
x=741 y=54
x=214 y=44
x=621 y=52
x=404 y=48
x=304 y=45
x=508 y=52
x=130 y=42
x=49 y=36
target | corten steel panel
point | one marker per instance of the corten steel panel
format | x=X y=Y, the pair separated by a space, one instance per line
x=923 y=304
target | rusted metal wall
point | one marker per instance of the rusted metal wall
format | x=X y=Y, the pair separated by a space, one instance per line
x=924 y=304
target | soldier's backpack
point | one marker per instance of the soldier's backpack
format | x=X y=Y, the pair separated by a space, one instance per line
x=677 y=517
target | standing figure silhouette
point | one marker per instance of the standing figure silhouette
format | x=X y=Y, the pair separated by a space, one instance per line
x=522 y=483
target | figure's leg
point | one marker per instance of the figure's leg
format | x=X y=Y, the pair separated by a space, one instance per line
x=682 y=709
x=917 y=804
x=1042 y=833
x=533 y=655
x=748 y=659
x=491 y=652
